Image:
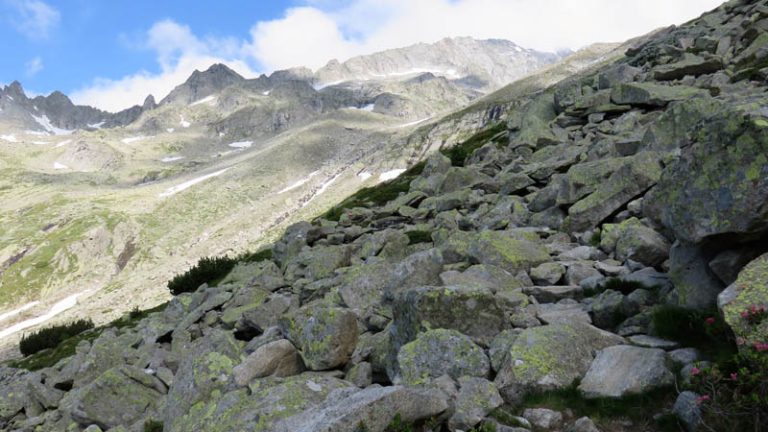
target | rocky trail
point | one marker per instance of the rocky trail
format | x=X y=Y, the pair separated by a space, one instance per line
x=528 y=263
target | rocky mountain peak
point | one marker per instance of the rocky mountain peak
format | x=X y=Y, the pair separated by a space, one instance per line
x=202 y=84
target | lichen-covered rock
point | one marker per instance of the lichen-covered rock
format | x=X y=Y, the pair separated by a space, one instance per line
x=418 y=269
x=633 y=240
x=543 y=418
x=364 y=285
x=471 y=310
x=477 y=397
x=481 y=275
x=206 y=366
x=259 y=407
x=371 y=409
x=749 y=290
x=719 y=183
x=550 y=357
x=120 y=396
x=439 y=352
x=325 y=336
x=648 y=94
x=278 y=358
x=318 y=262
x=620 y=371
x=547 y=273
x=610 y=308
x=690 y=64
x=620 y=188
x=503 y=250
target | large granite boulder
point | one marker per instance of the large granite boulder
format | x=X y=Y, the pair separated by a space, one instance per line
x=719 y=184
x=503 y=250
x=624 y=370
x=120 y=396
x=439 y=352
x=325 y=336
x=550 y=357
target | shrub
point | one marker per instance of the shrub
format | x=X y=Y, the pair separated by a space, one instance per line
x=51 y=337
x=376 y=195
x=734 y=393
x=207 y=270
x=262 y=255
x=704 y=330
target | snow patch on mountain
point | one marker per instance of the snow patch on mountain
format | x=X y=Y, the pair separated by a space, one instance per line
x=188 y=184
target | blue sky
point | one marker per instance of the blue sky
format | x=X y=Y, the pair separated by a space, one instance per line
x=112 y=53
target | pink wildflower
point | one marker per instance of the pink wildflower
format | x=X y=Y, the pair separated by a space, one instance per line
x=695 y=371
x=710 y=320
x=734 y=376
x=702 y=399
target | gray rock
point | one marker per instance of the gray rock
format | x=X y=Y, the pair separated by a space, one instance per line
x=547 y=273
x=579 y=271
x=697 y=287
x=477 y=397
x=684 y=356
x=206 y=366
x=501 y=249
x=693 y=206
x=620 y=371
x=727 y=264
x=120 y=396
x=543 y=418
x=653 y=342
x=418 y=269
x=647 y=94
x=552 y=294
x=499 y=348
x=688 y=410
x=360 y=374
x=689 y=65
x=278 y=358
x=610 y=307
x=584 y=424
x=553 y=313
x=471 y=310
x=488 y=276
x=374 y=408
x=325 y=336
x=550 y=357
x=438 y=352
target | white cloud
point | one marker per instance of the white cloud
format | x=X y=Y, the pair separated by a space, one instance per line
x=322 y=30
x=339 y=29
x=33 y=66
x=34 y=18
x=179 y=53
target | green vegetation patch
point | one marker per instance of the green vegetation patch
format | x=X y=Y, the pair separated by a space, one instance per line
x=376 y=195
x=416 y=237
x=51 y=337
x=460 y=152
x=207 y=270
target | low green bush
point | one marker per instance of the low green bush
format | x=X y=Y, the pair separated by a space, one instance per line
x=704 y=330
x=207 y=270
x=51 y=337
x=262 y=255
x=734 y=392
x=459 y=153
x=376 y=195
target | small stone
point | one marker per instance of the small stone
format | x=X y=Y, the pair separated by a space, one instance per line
x=687 y=410
x=684 y=356
x=547 y=273
x=584 y=424
x=278 y=358
x=543 y=418
x=360 y=375
x=623 y=370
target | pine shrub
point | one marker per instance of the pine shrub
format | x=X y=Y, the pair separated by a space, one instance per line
x=51 y=337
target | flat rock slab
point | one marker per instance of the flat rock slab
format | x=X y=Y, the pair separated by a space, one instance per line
x=620 y=371
x=553 y=312
x=653 y=342
x=551 y=294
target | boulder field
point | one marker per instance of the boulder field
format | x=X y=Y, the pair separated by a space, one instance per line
x=532 y=265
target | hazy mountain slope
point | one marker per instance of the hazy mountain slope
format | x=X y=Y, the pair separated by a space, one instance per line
x=217 y=165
